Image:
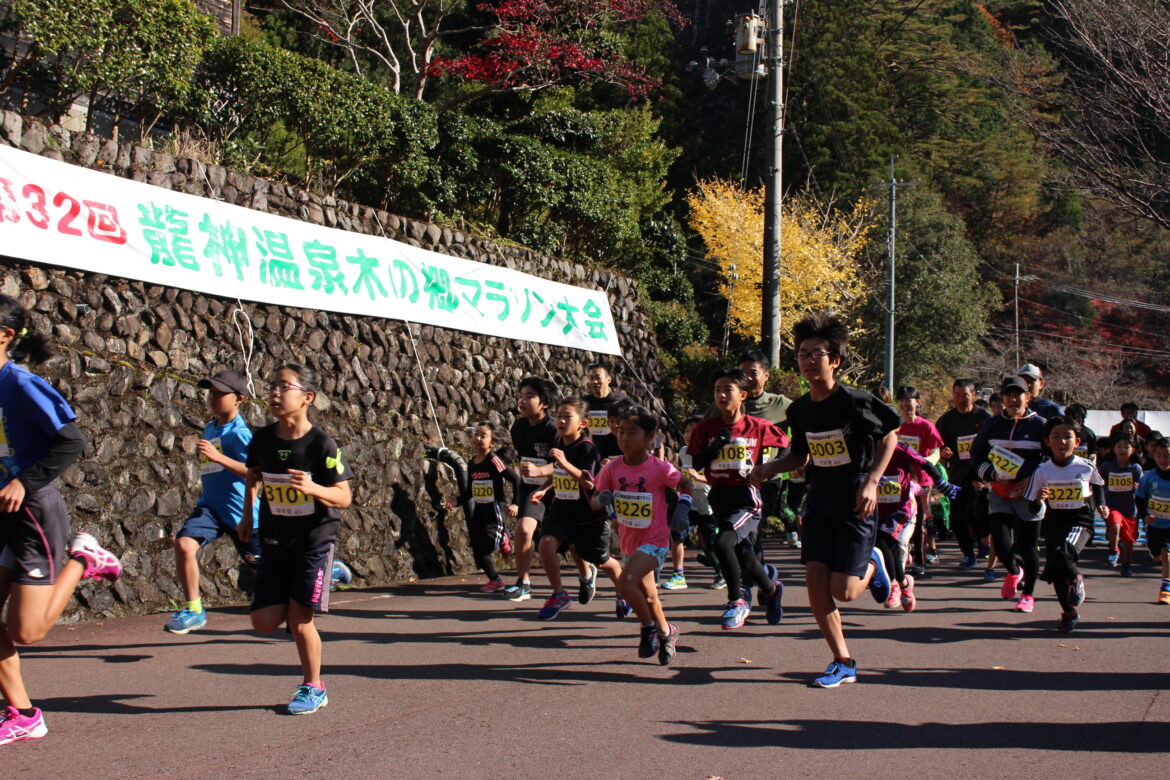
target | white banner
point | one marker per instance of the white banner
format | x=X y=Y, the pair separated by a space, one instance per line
x=64 y=215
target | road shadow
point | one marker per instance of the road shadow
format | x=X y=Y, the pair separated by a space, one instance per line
x=834 y=735
x=118 y=704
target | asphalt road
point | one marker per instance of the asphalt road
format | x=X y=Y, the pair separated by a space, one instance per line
x=434 y=679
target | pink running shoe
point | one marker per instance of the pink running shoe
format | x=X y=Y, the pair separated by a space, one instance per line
x=908 y=599
x=1025 y=604
x=895 y=595
x=506 y=544
x=1011 y=583
x=16 y=727
x=100 y=563
x=493 y=586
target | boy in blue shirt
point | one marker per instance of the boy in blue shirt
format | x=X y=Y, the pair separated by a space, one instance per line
x=223 y=450
x=1153 y=500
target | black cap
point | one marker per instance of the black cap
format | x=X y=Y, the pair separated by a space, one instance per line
x=227 y=381
x=1014 y=383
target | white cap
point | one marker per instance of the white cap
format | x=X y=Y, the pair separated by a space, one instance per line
x=1029 y=370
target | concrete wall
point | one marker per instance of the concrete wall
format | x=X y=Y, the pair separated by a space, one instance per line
x=132 y=353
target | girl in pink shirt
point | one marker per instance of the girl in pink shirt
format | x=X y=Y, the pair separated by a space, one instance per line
x=632 y=489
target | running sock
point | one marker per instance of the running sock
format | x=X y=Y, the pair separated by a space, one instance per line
x=678 y=571
x=195 y=606
x=30 y=712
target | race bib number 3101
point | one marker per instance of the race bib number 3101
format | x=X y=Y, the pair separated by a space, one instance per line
x=283 y=499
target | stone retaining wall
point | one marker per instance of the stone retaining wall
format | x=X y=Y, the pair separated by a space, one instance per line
x=132 y=353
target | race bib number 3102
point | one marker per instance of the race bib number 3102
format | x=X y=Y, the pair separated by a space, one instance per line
x=283 y=499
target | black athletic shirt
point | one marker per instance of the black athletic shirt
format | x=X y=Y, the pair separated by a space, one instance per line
x=597 y=413
x=289 y=518
x=839 y=434
x=485 y=482
x=958 y=432
x=532 y=443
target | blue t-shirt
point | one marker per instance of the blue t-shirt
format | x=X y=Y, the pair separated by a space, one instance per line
x=32 y=412
x=1156 y=491
x=1121 y=483
x=223 y=491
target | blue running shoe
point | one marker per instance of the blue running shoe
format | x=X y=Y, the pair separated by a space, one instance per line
x=648 y=646
x=588 y=586
x=307 y=700
x=774 y=609
x=1127 y=570
x=622 y=609
x=1068 y=621
x=677 y=581
x=879 y=585
x=968 y=562
x=837 y=673
x=556 y=603
x=989 y=575
x=735 y=613
x=185 y=620
x=1114 y=557
x=341 y=576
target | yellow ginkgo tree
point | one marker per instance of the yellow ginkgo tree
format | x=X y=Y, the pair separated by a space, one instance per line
x=819 y=255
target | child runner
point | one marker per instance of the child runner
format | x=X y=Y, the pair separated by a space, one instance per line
x=305 y=483
x=700 y=518
x=571 y=521
x=222 y=453
x=1006 y=452
x=632 y=491
x=486 y=475
x=726 y=449
x=1072 y=489
x=40 y=565
x=1122 y=475
x=533 y=435
x=1153 y=500
x=846 y=436
x=920 y=435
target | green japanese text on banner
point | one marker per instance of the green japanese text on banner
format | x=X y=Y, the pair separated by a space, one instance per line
x=64 y=215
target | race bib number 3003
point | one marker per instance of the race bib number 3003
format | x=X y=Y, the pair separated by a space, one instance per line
x=283 y=499
x=827 y=448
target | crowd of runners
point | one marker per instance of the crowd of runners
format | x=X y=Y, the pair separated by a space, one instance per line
x=864 y=486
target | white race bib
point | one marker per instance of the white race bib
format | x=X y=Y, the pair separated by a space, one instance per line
x=1159 y=507
x=634 y=510
x=963 y=445
x=1007 y=463
x=734 y=456
x=482 y=491
x=910 y=441
x=537 y=462
x=1121 y=483
x=565 y=487
x=827 y=448
x=1066 y=495
x=206 y=466
x=889 y=490
x=283 y=499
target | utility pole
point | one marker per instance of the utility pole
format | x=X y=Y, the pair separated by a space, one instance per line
x=773 y=194
x=891 y=307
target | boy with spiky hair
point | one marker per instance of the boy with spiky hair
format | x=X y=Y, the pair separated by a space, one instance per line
x=846 y=437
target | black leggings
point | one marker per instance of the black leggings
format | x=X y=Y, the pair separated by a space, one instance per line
x=1064 y=550
x=1015 y=546
x=969 y=518
x=892 y=552
x=738 y=559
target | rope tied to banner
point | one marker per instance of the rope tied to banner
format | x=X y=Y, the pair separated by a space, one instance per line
x=246 y=352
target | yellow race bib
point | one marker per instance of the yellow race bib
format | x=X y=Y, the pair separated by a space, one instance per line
x=283 y=499
x=633 y=510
